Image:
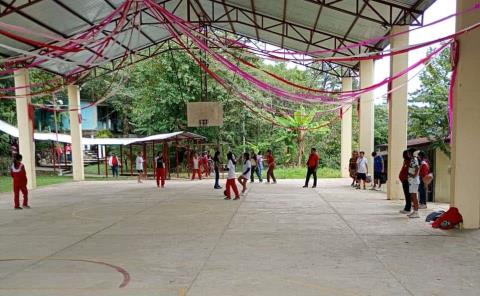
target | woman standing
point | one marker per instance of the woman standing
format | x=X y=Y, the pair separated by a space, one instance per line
x=253 y=160
x=424 y=171
x=259 y=166
x=160 y=169
x=196 y=166
x=139 y=162
x=403 y=176
x=247 y=171
x=231 y=177
x=271 y=167
x=413 y=182
x=216 y=167
x=352 y=168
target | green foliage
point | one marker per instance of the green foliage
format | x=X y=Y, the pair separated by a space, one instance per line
x=429 y=104
x=104 y=134
x=42 y=180
x=381 y=124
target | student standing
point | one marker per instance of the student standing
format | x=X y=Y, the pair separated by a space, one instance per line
x=160 y=170
x=231 y=177
x=378 y=170
x=312 y=166
x=19 y=175
x=139 y=163
x=259 y=166
x=362 y=170
x=247 y=172
x=403 y=176
x=196 y=167
x=413 y=182
x=271 y=167
x=352 y=168
x=216 y=166
x=114 y=163
x=253 y=160
x=424 y=171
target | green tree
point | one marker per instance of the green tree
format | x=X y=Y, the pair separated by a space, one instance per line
x=429 y=104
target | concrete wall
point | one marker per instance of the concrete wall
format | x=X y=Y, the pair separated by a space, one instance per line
x=442 y=177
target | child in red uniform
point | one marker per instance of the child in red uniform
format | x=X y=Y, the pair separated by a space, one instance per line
x=160 y=169
x=19 y=176
x=271 y=167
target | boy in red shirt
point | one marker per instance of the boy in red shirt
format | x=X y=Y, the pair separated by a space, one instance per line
x=271 y=167
x=312 y=166
x=19 y=175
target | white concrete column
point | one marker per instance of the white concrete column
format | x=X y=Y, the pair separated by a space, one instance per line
x=76 y=133
x=25 y=125
x=465 y=190
x=397 y=115
x=346 y=146
x=367 y=112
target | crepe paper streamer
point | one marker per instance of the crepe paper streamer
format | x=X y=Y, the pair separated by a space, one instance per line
x=265 y=86
x=455 y=56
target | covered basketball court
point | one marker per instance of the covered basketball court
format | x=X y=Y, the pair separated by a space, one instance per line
x=310 y=26
x=119 y=238
x=100 y=238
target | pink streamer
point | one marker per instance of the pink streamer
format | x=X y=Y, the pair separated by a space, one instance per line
x=455 y=54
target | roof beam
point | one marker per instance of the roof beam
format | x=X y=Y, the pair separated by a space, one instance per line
x=284 y=18
x=389 y=20
x=10 y=8
x=235 y=11
x=252 y=3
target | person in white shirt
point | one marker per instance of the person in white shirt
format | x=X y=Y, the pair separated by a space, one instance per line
x=247 y=171
x=114 y=163
x=196 y=167
x=231 y=177
x=362 y=170
x=139 y=162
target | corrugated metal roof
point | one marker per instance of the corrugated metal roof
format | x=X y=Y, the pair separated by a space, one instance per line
x=291 y=24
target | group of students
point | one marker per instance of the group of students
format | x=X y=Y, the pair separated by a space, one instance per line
x=252 y=164
x=415 y=176
x=202 y=164
x=358 y=169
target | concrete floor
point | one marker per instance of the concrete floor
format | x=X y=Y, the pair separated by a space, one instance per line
x=123 y=238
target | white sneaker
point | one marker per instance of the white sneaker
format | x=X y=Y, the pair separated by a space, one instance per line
x=404 y=212
x=422 y=207
x=414 y=214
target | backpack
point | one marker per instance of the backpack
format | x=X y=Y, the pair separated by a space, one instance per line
x=434 y=216
x=449 y=219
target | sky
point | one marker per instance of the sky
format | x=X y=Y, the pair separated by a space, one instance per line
x=438 y=10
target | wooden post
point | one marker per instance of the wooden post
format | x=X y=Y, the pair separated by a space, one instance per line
x=65 y=156
x=146 y=160
x=53 y=158
x=121 y=159
x=166 y=159
x=177 y=157
x=131 y=160
x=188 y=161
x=106 y=162
x=153 y=160
x=98 y=159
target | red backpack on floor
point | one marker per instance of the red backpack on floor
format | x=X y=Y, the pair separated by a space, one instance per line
x=449 y=219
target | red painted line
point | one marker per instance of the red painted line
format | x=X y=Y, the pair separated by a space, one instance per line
x=125 y=274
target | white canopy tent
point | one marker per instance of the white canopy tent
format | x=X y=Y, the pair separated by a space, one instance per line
x=63 y=138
